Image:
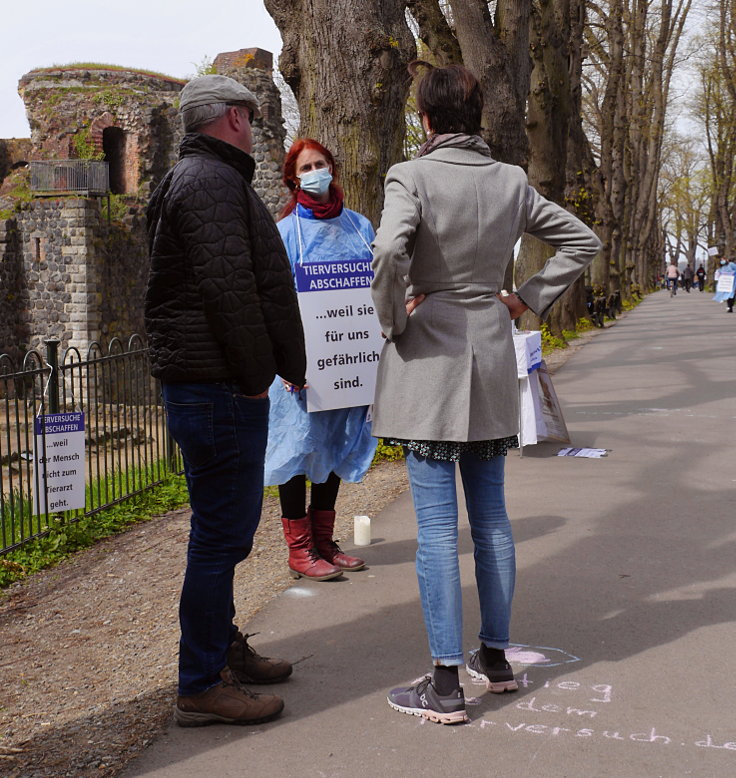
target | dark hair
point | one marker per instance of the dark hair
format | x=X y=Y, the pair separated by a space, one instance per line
x=450 y=97
x=289 y=173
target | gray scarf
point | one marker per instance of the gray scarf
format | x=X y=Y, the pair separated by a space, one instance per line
x=454 y=140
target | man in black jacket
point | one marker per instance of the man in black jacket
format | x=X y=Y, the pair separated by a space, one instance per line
x=222 y=321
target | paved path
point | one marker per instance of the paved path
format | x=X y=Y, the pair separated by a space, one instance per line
x=625 y=604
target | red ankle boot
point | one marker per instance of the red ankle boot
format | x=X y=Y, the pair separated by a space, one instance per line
x=303 y=557
x=323 y=525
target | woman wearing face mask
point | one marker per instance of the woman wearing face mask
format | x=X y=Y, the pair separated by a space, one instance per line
x=726 y=268
x=324 y=446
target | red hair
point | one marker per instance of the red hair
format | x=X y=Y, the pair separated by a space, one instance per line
x=289 y=172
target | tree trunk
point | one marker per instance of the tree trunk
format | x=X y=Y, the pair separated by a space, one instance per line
x=497 y=51
x=548 y=122
x=345 y=61
x=435 y=32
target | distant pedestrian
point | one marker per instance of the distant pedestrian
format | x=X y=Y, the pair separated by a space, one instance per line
x=222 y=319
x=687 y=277
x=447 y=388
x=672 y=275
x=700 y=274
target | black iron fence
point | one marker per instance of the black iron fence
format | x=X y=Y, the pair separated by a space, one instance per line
x=126 y=445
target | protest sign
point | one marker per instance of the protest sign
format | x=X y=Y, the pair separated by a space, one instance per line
x=341 y=331
x=58 y=457
x=726 y=282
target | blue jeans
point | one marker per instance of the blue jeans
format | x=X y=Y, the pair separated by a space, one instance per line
x=222 y=436
x=435 y=503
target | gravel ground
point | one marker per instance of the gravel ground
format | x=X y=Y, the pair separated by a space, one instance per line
x=88 y=649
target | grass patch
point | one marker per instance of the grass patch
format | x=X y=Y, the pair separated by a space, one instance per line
x=106 y=66
x=386 y=453
x=65 y=537
x=551 y=342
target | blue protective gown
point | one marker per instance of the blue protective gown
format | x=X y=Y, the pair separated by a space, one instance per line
x=339 y=441
x=729 y=267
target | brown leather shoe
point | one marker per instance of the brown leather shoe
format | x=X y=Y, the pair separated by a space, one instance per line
x=228 y=702
x=250 y=667
x=323 y=526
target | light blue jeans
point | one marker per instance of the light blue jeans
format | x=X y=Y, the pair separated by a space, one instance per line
x=435 y=503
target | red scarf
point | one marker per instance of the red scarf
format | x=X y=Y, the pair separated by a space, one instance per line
x=328 y=210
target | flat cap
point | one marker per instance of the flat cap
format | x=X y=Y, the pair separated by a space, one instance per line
x=205 y=90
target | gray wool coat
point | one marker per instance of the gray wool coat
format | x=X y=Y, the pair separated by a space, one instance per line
x=449 y=225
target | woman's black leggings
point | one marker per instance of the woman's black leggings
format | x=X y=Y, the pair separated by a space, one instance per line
x=293 y=496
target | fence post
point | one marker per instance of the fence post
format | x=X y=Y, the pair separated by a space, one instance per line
x=52 y=360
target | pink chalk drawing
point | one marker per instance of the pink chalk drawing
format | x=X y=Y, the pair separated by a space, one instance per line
x=538 y=656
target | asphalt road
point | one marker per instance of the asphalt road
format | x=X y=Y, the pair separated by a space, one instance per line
x=625 y=608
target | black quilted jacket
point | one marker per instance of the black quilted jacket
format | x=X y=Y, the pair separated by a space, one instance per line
x=221 y=304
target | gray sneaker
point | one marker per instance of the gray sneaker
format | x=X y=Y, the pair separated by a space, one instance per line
x=422 y=699
x=497 y=679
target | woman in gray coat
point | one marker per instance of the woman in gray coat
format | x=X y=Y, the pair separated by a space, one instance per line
x=447 y=387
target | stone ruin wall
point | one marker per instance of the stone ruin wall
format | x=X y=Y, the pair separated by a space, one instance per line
x=67 y=274
x=69 y=110
x=65 y=271
x=14 y=153
x=254 y=69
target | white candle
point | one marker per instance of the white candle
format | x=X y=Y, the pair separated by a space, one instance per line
x=362 y=530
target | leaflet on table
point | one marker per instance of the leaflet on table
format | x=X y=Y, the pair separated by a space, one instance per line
x=341 y=331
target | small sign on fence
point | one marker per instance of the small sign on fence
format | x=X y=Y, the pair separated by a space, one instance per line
x=58 y=458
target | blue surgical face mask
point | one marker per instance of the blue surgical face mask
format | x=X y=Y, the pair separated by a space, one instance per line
x=316 y=182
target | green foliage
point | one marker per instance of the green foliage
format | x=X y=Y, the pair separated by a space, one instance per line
x=582 y=202
x=551 y=342
x=386 y=453
x=205 y=67
x=84 y=145
x=271 y=491
x=19 y=189
x=414 y=135
x=583 y=325
x=112 y=98
x=637 y=295
x=115 y=207
x=66 y=538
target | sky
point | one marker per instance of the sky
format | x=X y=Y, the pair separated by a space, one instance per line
x=167 y=37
